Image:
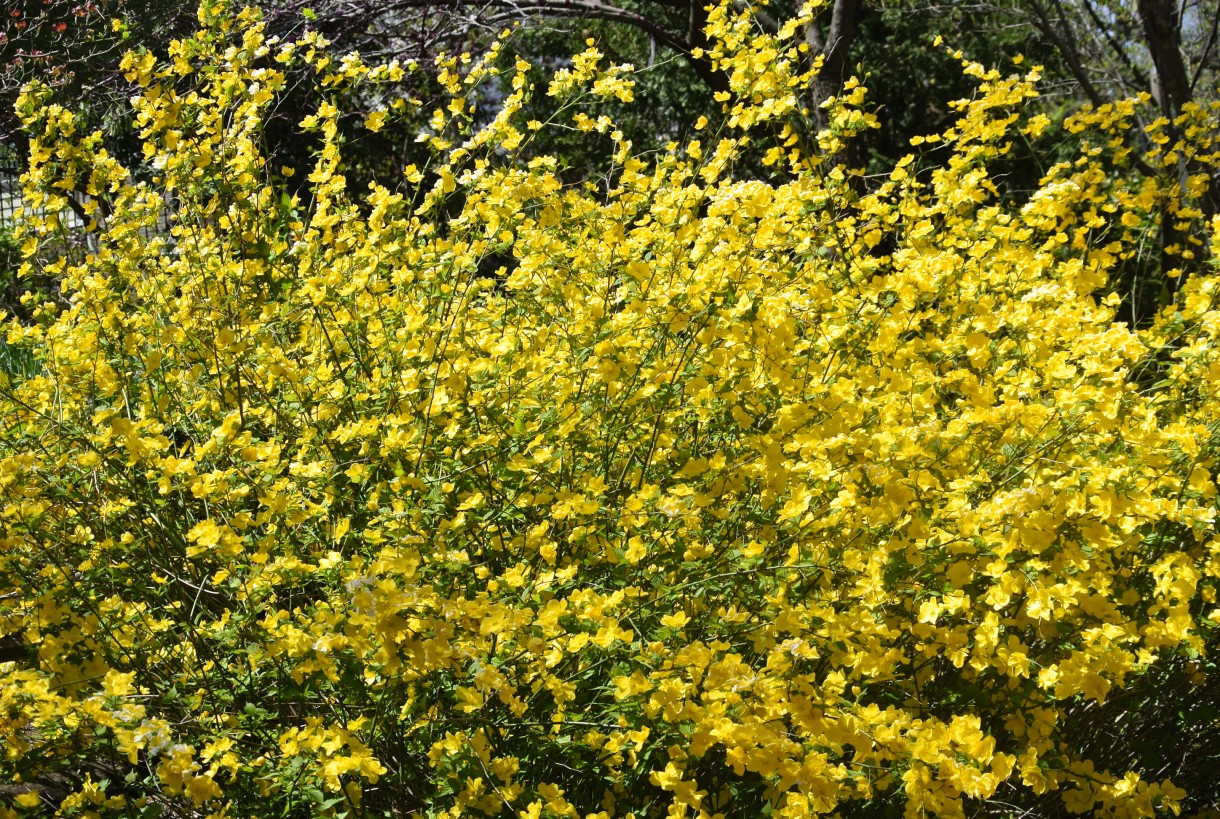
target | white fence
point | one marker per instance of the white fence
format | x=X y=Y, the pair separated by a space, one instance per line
x=10 y=201
x=10 y=186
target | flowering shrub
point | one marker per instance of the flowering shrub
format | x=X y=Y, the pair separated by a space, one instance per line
x=684 y=495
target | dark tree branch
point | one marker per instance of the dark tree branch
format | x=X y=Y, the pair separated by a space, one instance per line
x=1207 y=50
x=490 y=14
x=1141 y=79
x=593 y=9
x=1067 y=50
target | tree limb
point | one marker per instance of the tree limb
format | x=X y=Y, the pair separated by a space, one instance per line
x=1069 y=53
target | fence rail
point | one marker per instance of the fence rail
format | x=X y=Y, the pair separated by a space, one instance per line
x=10 y=186
x=10 y=200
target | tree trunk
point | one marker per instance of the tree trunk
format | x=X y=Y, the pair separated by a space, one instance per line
x=833 y=48
x=1163 y=36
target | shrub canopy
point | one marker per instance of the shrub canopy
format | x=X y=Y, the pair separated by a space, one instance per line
x=684 y=494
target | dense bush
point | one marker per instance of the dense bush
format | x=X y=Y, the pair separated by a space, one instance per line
x=684 y=494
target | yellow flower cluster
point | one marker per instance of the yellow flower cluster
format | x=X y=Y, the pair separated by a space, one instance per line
x=683 y=495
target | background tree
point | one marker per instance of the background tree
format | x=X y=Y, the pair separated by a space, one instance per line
x=1167 y=50
x=74 y=47
x=1094 y=51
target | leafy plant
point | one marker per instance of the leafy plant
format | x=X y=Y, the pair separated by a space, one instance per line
x=673 y=493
